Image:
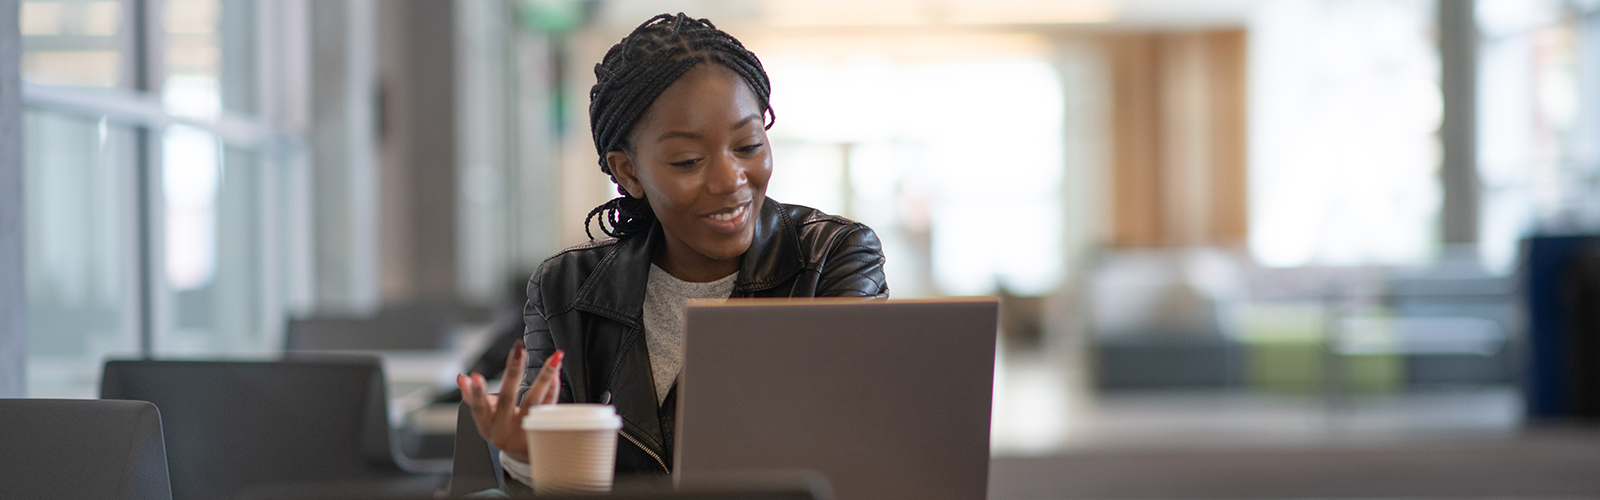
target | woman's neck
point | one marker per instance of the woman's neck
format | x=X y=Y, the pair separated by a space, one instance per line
x=686 y=264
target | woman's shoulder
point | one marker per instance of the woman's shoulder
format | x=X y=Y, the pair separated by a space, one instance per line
x=569 y=268
x=817 y=228
x=803 y=216
x=575 y=257
x=846 y=255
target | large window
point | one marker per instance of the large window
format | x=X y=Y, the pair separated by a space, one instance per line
x=153 y=186
x=81 y=275
x=75 y=43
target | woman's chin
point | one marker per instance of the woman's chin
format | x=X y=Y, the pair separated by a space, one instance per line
x=725 y=248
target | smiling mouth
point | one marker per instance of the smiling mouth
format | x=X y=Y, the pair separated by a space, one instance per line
x=730 y=214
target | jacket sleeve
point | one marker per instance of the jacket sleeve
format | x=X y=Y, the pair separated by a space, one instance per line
x=537 y=339
x=854 y=266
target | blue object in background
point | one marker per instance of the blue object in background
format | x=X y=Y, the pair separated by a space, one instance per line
x=1546 y=380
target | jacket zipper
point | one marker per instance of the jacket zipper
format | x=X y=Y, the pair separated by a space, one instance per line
x=646 y=449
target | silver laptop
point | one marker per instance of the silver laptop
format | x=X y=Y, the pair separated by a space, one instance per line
x=888 y=399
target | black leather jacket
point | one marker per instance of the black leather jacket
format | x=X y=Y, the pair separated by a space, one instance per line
x=588 y=301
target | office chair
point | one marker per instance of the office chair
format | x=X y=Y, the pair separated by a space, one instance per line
x=418 y=327
x=475 y=465
x=82 y=449
x=236 y=425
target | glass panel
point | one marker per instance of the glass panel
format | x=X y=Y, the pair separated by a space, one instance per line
x=80 y=250
x=193 y=59
x=214 y=242
x=213 y=260
x=74 y=43
x=210 y=57
x=213 y=298
x=240 y=292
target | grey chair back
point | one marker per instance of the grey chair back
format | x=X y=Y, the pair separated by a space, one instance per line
x=416 y=327
x=475 y=466
x=232 y=425
x=82 y=449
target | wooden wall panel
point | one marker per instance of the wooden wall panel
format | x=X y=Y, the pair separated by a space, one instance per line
x=1178 y=139
x=1230 y=201
x=1183 y=84
x=1135 y=138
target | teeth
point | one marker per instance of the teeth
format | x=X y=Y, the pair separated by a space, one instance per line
x=728 y=216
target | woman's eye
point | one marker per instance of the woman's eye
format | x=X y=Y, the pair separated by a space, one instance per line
x=751 y=148
x=685 y=163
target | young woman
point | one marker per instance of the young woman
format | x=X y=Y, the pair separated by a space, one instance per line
x=680 y=118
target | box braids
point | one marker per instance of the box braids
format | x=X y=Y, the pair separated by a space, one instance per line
x=630 y=77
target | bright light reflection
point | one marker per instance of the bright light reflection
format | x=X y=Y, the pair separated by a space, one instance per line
x=192 y=96
x=190 y=178
x=964 y=153
x=1344 y=107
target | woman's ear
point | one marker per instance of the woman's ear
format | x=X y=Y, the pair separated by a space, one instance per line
x=628 y=176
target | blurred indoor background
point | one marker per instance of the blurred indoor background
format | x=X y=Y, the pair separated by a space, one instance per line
x=1217 y=224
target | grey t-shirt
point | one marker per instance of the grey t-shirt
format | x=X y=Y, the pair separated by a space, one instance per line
x=665 y=301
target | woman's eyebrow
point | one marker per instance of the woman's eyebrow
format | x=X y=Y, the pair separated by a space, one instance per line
x=745 y=121
x=678 y=134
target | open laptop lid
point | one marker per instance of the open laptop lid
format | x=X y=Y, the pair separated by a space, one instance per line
x=888 y=399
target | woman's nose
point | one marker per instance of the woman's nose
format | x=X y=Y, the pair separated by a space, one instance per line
x=726 y=175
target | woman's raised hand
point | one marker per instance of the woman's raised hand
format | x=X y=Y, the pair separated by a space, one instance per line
x=501 y=424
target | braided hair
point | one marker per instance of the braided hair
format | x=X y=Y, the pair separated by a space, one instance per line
x=630 y=77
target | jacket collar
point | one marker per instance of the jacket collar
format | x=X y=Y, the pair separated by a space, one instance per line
x=774 y=255
x=616 y=287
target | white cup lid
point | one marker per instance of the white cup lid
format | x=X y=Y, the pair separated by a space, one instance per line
x=571 y=417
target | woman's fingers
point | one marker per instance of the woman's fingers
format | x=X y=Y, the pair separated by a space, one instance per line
x=466 y=392
x=515 y=364
x=554 y=394
x=482 y=410
x=540 y=392
x=478 y=384
x=501 y=419
x=465 y=384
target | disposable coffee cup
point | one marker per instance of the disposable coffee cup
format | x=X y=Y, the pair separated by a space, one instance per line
x=572 y=448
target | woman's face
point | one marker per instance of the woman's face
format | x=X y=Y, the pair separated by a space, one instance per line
x=701 y=159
